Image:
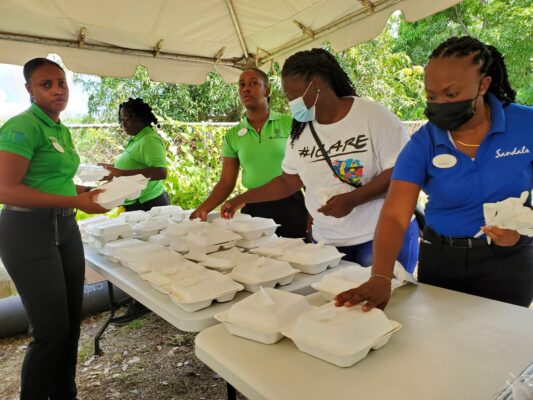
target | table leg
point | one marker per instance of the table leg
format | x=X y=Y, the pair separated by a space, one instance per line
x=232 y=393
x=112 y=309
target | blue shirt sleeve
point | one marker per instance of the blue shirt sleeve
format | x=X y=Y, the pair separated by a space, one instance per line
x=411 y=165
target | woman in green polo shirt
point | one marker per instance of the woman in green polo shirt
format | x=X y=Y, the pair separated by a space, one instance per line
x=144 y=154
x=40 y=244
x=257 y=145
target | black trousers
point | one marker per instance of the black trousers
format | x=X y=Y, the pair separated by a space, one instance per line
x=161 y=200
x=494 y=272
x=289 y=212
x=43 y=254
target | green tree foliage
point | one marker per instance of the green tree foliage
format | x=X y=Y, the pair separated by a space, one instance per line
x=506 y=24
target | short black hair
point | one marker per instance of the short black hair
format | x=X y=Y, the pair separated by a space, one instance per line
x=489 y=59
x=140 y=110
x=34 y=64
x=317 y=62
x=262 y=74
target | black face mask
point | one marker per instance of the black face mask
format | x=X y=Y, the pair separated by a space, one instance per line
x=450 y=116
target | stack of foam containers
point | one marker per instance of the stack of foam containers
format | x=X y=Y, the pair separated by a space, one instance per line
x=278 y=247
x=211 y=239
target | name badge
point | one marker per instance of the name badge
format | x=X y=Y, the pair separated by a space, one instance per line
x=444 y=161
x=56 y=144
x=242 y=132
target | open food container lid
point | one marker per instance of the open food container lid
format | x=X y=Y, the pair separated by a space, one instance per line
x=91 y=173
x=120 y=189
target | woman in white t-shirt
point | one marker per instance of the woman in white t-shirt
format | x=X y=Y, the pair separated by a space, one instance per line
x=362 y=139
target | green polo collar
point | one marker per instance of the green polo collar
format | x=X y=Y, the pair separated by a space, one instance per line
x=272 y=116
x=143 y=132
x=39 y=113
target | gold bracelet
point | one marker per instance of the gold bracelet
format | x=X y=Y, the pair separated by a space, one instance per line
x=381 y=276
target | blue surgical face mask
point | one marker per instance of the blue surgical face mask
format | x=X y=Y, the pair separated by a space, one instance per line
x=299 y=110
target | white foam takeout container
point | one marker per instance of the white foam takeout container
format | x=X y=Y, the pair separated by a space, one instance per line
x=120 y=189
x=211 y=239
x=151 y=226
x=226 y=260
x=198 y=292
x=251 y=228
x=258 y=242
x=165 y=261
x=261 y=316
x=109 y=230
x=277 y=248
x=91 y=173
x=113 y=248
x=340 y=335
x=133 y=217
x=313 y=258
x=264 y=272
x=162 y=282
x=345 y=279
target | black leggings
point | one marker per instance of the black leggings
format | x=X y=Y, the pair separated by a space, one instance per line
x=46 y=262
x=289 y=212
x=161 y=200
x=494 y=272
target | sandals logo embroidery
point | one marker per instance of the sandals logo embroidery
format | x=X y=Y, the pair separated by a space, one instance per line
x=515 y=152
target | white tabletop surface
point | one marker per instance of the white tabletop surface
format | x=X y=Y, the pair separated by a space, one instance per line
x=451 y=346
x=141 y=290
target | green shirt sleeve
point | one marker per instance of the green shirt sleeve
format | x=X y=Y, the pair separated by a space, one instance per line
x=154 y=153
x=228 y=150
x=19 y=136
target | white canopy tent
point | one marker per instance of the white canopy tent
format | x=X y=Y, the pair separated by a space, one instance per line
x=182 y=40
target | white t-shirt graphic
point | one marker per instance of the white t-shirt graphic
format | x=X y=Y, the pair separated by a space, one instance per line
x=363 y=144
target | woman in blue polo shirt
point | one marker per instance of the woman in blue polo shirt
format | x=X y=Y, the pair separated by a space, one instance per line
x=477 y=148
x=40 y=243
x=257 y=145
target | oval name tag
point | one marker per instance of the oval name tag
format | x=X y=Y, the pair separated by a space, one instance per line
x=242 y=132
x=58 y=147
x=444 y=161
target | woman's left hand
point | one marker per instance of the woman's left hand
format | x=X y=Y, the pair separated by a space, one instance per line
x=338 y=206
x=113 y=172
x=500 y=236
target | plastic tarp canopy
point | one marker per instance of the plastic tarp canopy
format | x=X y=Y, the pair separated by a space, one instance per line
x=181 y=41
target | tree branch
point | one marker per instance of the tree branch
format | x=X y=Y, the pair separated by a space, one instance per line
x=460 y=20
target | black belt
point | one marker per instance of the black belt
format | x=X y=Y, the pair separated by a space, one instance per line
x=65 y=212
x=458 y=242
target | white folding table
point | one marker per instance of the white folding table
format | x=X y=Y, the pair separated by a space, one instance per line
x=142 y=291
x=451 y=346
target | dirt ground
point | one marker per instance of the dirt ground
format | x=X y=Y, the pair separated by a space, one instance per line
x=145 y=359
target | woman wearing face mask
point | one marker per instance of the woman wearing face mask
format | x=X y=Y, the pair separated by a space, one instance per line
x=257 y=145
x=40 y=243
x=476 y=148
x=144 y=154
x=344 y=191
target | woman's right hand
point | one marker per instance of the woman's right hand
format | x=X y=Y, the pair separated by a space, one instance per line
x=229 y=208
x=199 y=213
x=376 y=292
x=86 y=202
